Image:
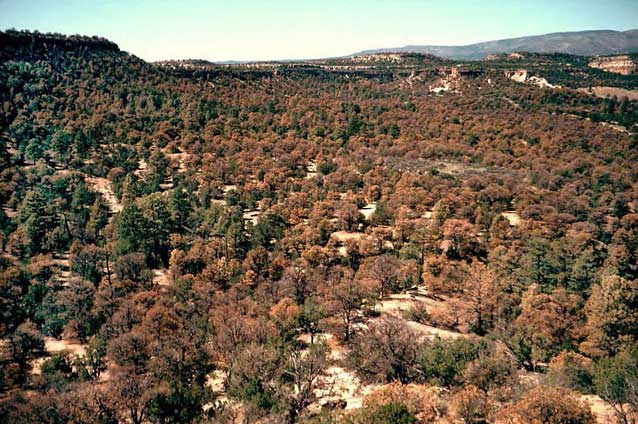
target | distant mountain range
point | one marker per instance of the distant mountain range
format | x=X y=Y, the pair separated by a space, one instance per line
x=583 y=43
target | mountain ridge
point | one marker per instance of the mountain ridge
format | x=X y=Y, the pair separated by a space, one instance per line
x=582 y=43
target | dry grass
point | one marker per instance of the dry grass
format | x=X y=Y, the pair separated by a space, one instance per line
x=610 y=92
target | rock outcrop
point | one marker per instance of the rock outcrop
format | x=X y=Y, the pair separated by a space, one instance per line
x=519 y=75
x=527 y=77
x=624 y=65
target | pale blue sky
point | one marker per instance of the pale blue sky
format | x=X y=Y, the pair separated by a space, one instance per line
x=281 y=29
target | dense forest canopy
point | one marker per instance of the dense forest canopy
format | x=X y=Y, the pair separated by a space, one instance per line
x=395 y=239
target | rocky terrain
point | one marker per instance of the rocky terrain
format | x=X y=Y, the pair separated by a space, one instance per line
x=623 y=64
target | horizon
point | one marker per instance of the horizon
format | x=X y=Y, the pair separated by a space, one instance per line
x=219 y=32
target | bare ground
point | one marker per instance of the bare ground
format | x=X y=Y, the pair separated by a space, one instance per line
x=53 y=346
x=602 y=410
x=161 y=277
x=368 y=210
x=513 y=218
x=610 y=92
x=311 y=170
x=103 y=186
x=64 y=264
x=397 y=304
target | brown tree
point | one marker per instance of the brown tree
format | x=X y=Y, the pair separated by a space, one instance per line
x=547 y=405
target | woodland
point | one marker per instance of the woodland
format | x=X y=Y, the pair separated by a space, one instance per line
x=315 y=242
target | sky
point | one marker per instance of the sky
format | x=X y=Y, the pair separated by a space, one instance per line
x=220 y=30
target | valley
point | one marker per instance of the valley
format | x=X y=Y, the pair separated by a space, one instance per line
x=383 y=237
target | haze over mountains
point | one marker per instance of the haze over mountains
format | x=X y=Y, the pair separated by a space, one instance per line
x=584 y=43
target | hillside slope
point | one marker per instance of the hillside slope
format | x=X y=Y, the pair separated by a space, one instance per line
x=392 y=236
x=584 y=43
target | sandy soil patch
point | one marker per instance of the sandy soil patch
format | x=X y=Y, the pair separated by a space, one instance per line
x=103 y=186
x=141 y=168
x=345 y=236
x=340 y=384
x=63 y=172
x=397 y=304
x=64 y=264
x=615 y=127
x=341 y=237
x=602 y=410
x=337 y=349
x=429 y=332
x=337 y=384
x=216 y=380
x=11 y=213
x=218 y=202
x=161 y=277
x=55 y=346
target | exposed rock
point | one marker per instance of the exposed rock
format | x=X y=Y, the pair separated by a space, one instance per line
x=512 y=217
x=368 y=210
x=528 y=77
x=465 y=73
x=451 y=79
x=624 y=65
x=412 y=79
x=519 y=75
x=379 y=57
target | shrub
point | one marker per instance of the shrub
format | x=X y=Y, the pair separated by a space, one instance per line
x=443 y=361
x=490 y=370
x=470 y=404
x=418 y=313
x=571 y=371
x=421 y=400
x=616 y=381
x=548 y=405
x=389 y=413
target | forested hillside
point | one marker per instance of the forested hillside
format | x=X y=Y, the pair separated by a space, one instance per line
x=409 y=241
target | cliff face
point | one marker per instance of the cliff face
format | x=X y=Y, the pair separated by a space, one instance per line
x=519 y=75
x=623 y=65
